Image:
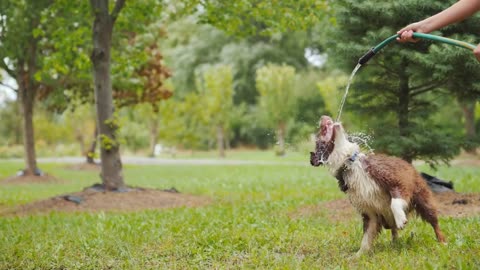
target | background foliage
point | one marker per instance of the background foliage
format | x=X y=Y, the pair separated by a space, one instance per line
x=182 y=40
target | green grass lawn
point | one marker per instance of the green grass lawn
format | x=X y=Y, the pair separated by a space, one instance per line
x=244 y=154
x=248 y=225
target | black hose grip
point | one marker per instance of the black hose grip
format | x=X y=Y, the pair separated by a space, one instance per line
x=366 y=57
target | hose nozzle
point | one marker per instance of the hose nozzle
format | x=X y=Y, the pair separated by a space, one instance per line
x=366 y=57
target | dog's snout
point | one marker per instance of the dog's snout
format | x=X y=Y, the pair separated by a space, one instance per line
x=314 y=160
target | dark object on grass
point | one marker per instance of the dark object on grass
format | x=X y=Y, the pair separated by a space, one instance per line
x=36 y=172
x=101 y=188
x=96 y=187
x=122 y=189
x=437 y=185
x=75 y=199
x=460 y=201
x=171 y=190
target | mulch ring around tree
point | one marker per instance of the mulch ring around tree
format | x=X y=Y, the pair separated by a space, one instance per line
x=93 y=199
x=449 y=204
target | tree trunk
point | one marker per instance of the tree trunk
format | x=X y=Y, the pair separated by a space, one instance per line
x=227 y=142
x=111 y=164
x=153 y=136
x=26 y=93
x=220 y=140
x=81 y=142
x=91 y=151
x=468 y=108
x=281 y=139
x=18 y=118
x=403 y=112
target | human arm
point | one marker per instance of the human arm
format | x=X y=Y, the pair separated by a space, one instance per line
x=455 y=13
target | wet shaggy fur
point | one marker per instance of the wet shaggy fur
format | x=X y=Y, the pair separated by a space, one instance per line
x=383 y=189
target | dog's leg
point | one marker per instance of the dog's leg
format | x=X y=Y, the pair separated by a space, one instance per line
x=394 y=234
x=371 y=228
x=398 y=205
x=365 y=220
x=424 y=207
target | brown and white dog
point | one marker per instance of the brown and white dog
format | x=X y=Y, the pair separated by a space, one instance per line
x=383 y=189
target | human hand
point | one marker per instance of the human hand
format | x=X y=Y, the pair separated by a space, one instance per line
x=406 y=33
x=477 y=52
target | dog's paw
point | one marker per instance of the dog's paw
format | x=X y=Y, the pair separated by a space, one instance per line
x=401 y=221
x=398 y=206
x=357 y=255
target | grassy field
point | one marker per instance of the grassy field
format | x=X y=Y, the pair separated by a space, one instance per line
x=248 y=225
x=266 y=155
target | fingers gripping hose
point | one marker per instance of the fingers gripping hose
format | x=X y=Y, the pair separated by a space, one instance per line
x=371 y=53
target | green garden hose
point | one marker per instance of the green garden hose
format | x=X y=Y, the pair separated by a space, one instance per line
x=366 y=57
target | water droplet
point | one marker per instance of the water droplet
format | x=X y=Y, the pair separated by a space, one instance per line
x=362 y=139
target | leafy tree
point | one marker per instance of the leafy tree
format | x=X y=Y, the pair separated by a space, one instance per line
x=141 y=60
x=138 y=71
x=104 y=20
x=185 y=50
x=194 y=130
x=310 y=105
x=153 y=119
x=263 y=17
x=80 y=120
x=216 y=90
x=174 y=122
x=190 y=45
x=460 y=69
x=277 y=99
x=21 y=59
x=145 y=125
x=172 y=115
x=145 y=82
x=331 y=87
x=51 y=129
x=396 y=82
x=248 y=54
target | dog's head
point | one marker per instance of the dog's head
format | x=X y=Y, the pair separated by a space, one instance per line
x=325 y=141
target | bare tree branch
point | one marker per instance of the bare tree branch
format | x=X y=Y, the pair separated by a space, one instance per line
x=420 y=89
x=386 y=68
x=116 y=10
x=425 y=89
x=8 y=86
x=4 y=66
x=421 y=86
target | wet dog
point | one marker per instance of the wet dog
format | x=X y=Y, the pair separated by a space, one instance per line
x=383 y=189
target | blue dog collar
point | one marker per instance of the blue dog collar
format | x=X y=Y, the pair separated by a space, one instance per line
x=353 y=157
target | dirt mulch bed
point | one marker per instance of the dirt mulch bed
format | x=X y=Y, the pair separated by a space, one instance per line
x=449 y=204
x=452 y=204
x=31 y=179
x=89 y=200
